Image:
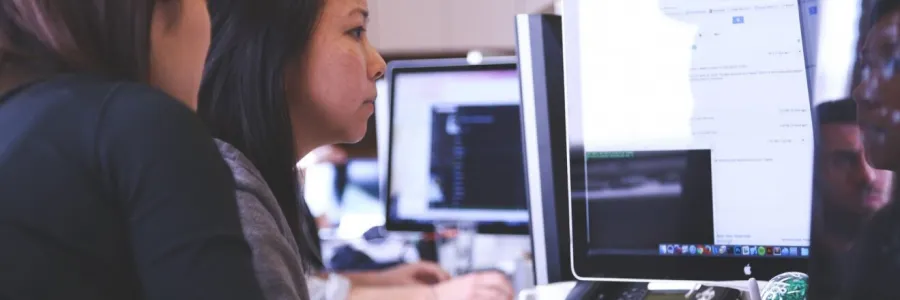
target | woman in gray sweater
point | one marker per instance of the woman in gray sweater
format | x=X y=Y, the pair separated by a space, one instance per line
x=284 y=77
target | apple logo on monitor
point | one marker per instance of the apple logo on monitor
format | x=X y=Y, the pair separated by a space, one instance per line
x=747 y=270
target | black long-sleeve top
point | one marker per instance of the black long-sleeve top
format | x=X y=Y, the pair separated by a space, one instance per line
x=114 y=190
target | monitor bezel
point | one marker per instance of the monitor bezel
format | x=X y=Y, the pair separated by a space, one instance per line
x=394 y=68
x=643 y=268
x=543 y=121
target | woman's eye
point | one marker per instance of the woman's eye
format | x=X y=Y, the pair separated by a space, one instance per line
x=357 y=32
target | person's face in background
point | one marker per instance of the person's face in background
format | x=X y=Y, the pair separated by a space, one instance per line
x=335 y=91
x=850 y=184
x=878 y=94
x=179 y=40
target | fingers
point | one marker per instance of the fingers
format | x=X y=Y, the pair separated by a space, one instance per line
x=491 y=294
x=496 y=282
x=432 y=270
x=424 y=278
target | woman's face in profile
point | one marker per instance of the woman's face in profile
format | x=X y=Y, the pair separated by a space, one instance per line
x=878 y=93
x=332 y=90
x=179 y=40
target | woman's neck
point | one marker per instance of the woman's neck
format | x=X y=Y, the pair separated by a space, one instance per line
x=303 y=148
x=304 y=142
x=190 y=103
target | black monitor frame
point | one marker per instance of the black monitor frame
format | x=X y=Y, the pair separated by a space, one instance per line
x=426 y=66
x=539 y=48
x=649 y=267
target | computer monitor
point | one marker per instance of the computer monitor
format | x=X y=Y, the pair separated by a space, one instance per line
x=455 y=148
x=691 y=139
x=809 y=18
x=539 y=48
x=382 y=127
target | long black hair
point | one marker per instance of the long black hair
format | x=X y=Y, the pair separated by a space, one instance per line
x=242 y=96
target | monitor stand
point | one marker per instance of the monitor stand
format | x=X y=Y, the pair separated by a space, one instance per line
x=607 y=290
x=427 y=249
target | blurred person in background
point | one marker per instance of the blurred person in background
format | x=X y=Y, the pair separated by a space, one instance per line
x=851 y=190
x=876 y=264
x=285 y=77
x=111 y=188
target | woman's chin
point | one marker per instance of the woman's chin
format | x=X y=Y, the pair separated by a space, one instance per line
x=355 y=136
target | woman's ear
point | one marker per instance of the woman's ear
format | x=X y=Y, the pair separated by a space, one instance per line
x=166 y=14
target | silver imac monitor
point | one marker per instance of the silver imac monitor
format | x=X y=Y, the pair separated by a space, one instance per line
x=691 y=139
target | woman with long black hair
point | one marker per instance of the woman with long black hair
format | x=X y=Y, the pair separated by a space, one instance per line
x=283 y=78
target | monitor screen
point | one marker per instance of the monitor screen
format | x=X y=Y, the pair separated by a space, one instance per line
x=691 y=138
x=382 y=117
x=809 y=17
x=456 y=147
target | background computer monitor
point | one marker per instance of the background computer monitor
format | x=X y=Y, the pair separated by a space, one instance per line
x=691 y=139
x=356 y=184
x=346 y=194
x=382 y=127
x=539 y=48
x=455 y=148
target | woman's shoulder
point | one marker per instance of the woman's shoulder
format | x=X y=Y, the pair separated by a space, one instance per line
x=111 y=109
x=245 y=173
x=258 y=208
x=91 y=89
x=103 y=116
x=251 y=187
x=80 y=94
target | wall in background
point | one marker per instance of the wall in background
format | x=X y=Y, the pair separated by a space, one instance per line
x=415 y=27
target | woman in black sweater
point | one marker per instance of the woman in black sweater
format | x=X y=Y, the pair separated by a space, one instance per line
x=109 y=187
x=875 y=261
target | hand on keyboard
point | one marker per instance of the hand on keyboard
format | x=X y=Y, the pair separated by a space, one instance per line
x=488 y=285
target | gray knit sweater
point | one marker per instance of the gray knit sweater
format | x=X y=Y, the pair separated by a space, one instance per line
x=276 y=257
